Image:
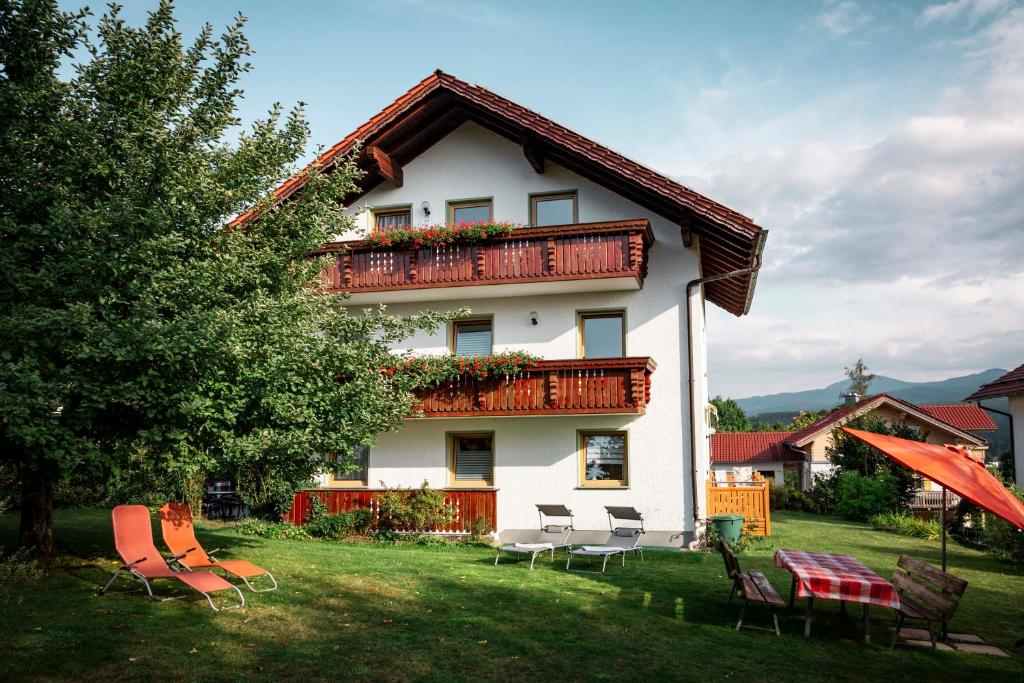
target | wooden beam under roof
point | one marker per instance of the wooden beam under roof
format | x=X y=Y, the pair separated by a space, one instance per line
x=389 y=168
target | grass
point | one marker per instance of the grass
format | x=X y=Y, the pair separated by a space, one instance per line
x=361 y=612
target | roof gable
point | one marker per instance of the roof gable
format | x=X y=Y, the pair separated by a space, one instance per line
x=441 y=103
x=864 y=406
x=1007 y=385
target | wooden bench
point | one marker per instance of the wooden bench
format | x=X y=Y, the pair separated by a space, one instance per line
x=927 y=594
x=753 y=587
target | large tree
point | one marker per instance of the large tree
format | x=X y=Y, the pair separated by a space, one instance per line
x=731 y=417
x=860 y=378
x=132 y=319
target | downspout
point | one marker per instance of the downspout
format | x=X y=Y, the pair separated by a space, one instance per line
x=689 y=342
x=1013 y=451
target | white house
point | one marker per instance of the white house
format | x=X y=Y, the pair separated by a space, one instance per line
x=607 y=283
x=1010 y=385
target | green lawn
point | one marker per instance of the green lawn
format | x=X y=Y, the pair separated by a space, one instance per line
x=359 y=611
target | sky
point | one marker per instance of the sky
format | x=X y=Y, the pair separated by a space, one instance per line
x=881 y=144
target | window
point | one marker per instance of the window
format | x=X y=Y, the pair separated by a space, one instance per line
x=394 y=217
x=472 y=459
x=553 y=209
x=356 y=476
x=472 y=337
x=469 y=211
x=603 y=459
x=602 y=335
x=769 y=475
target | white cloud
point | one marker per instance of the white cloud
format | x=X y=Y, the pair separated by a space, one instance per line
x=841 y=17
x=908 y=251
x=948 y=11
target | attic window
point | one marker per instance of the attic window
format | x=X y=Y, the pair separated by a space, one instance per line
x=553 y=209
x=470 y=210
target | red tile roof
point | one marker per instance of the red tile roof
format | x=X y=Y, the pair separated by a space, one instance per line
x=740 y=447
x=730 y=240
x=1007 y=385
x=966 y=416
x=866 y=405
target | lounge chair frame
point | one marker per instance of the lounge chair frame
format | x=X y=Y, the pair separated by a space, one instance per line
x=554 y=511
x=615 y=514
x=216 y=565
x=130 y=571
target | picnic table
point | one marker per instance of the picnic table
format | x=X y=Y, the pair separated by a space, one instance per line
x=834 y=576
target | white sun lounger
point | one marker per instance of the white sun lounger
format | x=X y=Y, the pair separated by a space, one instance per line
x=622 y=540
x=548 y=539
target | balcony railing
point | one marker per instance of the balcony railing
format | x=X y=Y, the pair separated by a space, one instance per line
x=551 y=387
x=616 y=249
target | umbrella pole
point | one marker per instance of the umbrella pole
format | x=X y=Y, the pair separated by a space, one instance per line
x=942 y=523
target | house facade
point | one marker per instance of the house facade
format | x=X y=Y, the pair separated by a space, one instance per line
x=606 y=281
x=1010 y=385
x=799 y=456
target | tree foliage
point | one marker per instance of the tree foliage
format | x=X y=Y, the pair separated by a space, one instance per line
x=731 y=417
x=131 y=319
x=849 y=454
x=860 y=378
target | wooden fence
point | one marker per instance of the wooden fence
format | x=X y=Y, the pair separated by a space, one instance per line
x=466 y=505
x=747 y=498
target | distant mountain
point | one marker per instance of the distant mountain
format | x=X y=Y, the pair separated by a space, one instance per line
x=950 y=390
x=783 y=407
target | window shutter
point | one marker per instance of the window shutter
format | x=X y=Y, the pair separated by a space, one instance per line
x=473 y=339
x=474 y=465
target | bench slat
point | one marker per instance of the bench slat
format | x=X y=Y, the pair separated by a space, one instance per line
x=948 y=583
x=756 y=587
x=942 y=605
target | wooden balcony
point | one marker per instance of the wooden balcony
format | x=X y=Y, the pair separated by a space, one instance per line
x=560 y=258
x=552 y=387
x=466 y=505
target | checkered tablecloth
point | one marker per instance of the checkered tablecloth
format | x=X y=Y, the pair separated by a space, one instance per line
x=836 y=577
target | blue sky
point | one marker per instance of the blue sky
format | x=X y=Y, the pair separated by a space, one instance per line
x=881 y=143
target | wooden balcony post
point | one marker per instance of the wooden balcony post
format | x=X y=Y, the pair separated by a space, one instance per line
x=414 y=258
x=481 y=395
x=551 y=255
x=636 y=385
x=636 y=248
x=346 y=267
x=480 y=260
x=552 y=389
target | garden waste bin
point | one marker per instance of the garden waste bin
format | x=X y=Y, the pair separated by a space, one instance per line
x=728 y=527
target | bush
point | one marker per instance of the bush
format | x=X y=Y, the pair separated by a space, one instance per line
x=252 y=526
x=1004 y=539
x=322 y=524
x=824 y=493
x=860 y=497
x=18 y=567
x=778 y=497
x=406 y=510
x=798 y=500
x=906 y=525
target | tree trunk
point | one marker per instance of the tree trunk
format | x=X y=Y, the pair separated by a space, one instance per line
x=37 y=511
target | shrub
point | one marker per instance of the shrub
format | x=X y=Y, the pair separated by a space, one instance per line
x=824 y=493
x=798 y=500
x=778 y=497
x=906 y=525
x=420 y=510
x=18 y=567
x=251 y=526
x=859 y=497
x=1004 y=539
x=480 y=529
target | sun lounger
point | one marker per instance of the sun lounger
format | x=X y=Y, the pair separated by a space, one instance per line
x=133 y=538
x=180 y=538
x=548 y=539
x=623 y=539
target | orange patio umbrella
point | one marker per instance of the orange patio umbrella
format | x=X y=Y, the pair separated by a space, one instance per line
x=954 y=469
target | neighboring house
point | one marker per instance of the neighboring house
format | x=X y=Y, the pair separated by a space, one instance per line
x=605 y=285
x=944 y=424
x=1010 y=385
x=740 y=454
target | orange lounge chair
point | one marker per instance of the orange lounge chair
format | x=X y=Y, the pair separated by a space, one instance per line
x=133 y=537
x=180 y=538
